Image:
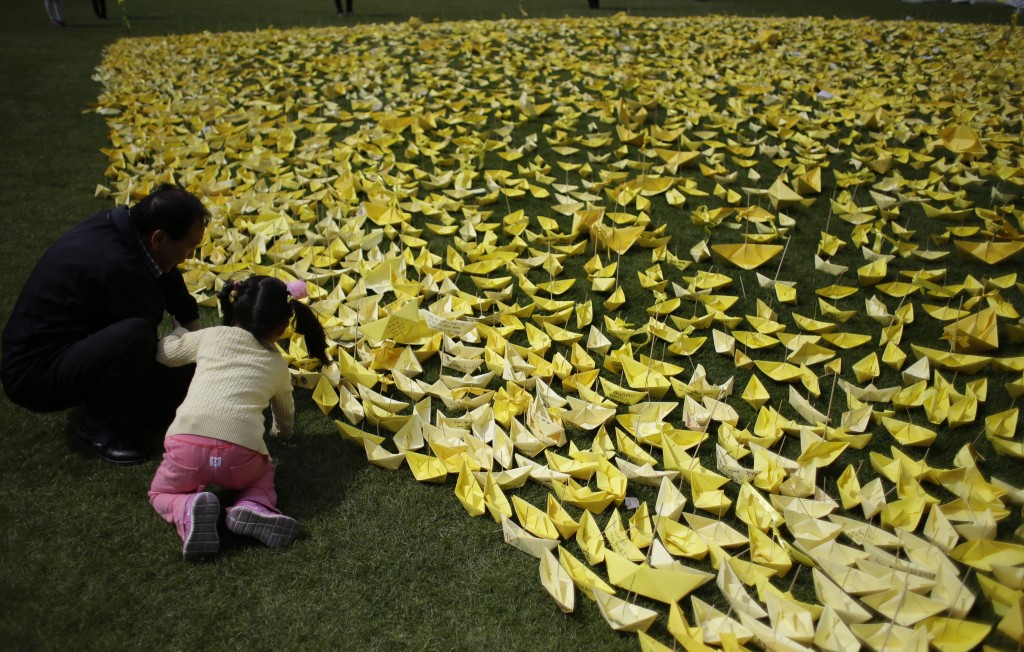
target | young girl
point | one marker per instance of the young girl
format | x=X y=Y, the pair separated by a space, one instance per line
x=217 y=434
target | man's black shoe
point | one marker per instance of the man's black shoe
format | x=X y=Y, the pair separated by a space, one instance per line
x=106 y=442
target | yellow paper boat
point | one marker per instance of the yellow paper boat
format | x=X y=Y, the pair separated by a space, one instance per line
x=643 y=378
x=623 y=395
x=834 y=635
x=382 y=457
x=789 y=618
x=525 y=441
x=641 y=530
x=469 y=493
x=872 y=273
x=754 y=510
x=495 y=501
x=975 y=332
x=890 y=637
x=860 y=532
x=590 y=540
x=755 y=393
x=716 y=626
x=664 y=585
x=909 y=434
x=991 y=252
x=706 y=494
x=961 y=139
x=403 y=326
x=689 y=636
x=585 y=579
x=620 y=239
x=354 y=435
x=765 y=551
x=520 y=539
x=324 y=395
x=939 y=530
x=770 y=637
x=426 y=468
x=354 y=372
x=779 y=371
x=895 y=579
x=730 y=468
x=831 y=595
x=670 y=501
x=507 y=479
x=644 y=473
x=680 y=540
x=747 y=572
x=954 y=635
x=809 y=183
x=736 y=595
x=557 y=582
x=747 y=255
x=534 y=520
x=810 y=353
x=561 y=519
x=1002 y=424
x=781 y=195
x=585 y=414
x=581 y=470
x=624 y=616
x=715 y=531
x=849 y=487
x=867 y=368
x=817 y=452
x=650 y=644
x=1002 y=598
x=969 y=364
x=893 y=357
x=846 y=340
x=1012 y=623
x=410 y=436
x=983 y=554
x=582 y=496
x=849 y=578
x=629 y=447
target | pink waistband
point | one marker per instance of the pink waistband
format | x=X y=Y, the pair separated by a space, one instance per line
x=200 y=440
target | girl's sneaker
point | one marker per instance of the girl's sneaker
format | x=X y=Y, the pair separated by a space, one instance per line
x=254 y=520
x=201 y=538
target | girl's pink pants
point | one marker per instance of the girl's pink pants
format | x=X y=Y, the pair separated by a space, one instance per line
x=191 y=462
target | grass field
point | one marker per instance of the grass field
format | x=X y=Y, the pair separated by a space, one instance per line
x=387 y=563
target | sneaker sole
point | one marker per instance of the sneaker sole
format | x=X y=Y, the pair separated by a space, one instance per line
x=202 y=538
x=273 y=530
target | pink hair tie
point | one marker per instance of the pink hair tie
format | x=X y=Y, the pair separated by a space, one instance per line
x=297 y=289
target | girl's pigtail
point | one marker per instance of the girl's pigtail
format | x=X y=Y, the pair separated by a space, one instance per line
x=307 y=325
x=224 y=296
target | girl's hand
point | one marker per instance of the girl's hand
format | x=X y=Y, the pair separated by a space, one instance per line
x=276 y=433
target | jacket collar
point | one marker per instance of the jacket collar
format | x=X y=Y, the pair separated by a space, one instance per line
x=119 y=218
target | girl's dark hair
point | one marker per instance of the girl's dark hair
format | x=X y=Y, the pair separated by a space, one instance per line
x=262 y=305
x=169 y=208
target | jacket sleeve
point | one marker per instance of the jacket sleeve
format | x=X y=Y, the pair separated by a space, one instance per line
x=180 y=303
x=179 y=348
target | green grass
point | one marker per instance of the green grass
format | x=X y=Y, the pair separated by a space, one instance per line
x=387 y=563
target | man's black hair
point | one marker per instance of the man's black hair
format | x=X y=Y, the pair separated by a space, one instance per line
x=170 y=209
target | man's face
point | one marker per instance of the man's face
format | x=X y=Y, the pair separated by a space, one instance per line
x=168 y=252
